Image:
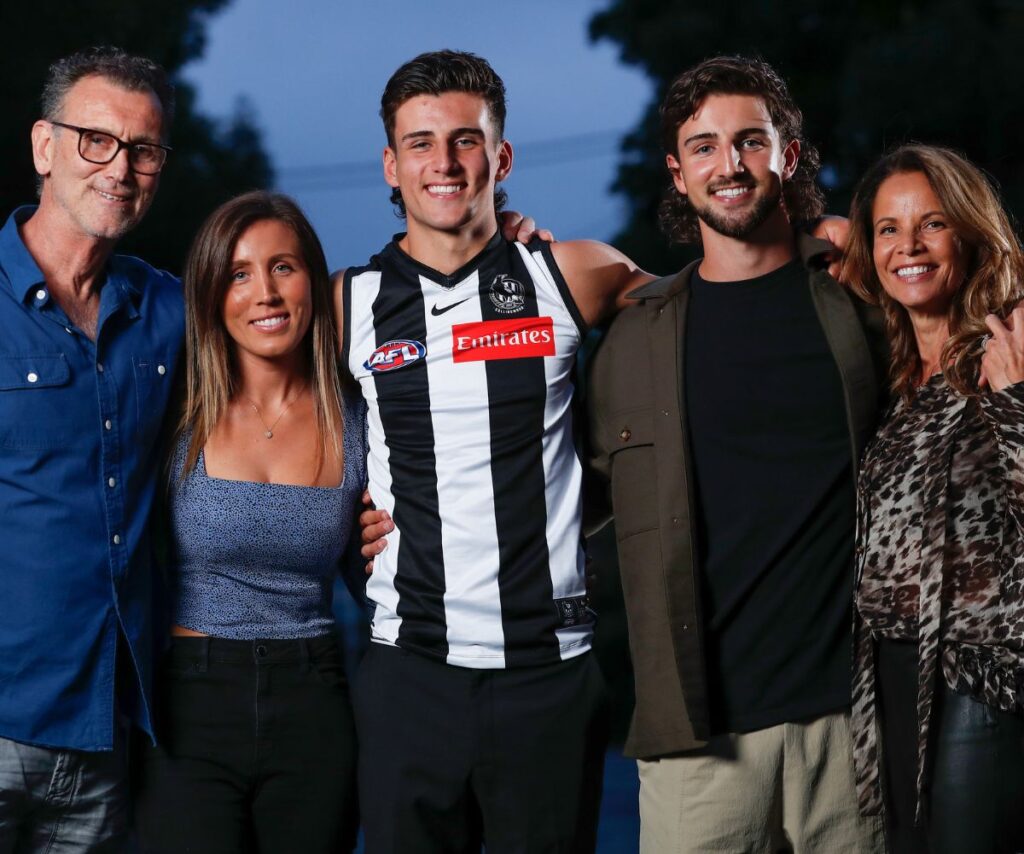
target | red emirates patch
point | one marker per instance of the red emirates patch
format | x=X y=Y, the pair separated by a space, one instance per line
x=518 y=338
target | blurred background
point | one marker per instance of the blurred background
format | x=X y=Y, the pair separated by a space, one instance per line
x=285 y=95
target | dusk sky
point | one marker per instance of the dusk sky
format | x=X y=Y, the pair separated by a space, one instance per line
x=313 y=72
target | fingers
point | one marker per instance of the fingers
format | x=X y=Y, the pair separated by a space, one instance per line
x=1015 y=320
x=996 y=326
x=834 y=229
x=1002 y=361
x=373 y=531
x=527 y=228
x=515 y=226
x=374 y=526
x=372 y=548
x=528 y=231
x=510 y=223
x=370 y=521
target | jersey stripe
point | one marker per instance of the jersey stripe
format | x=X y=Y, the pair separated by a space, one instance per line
x=462 y=432
x=403 y=401
x=562 y=466
x=517 y=389
x=361 y=290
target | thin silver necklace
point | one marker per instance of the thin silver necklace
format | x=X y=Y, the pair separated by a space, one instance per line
x=269 y=431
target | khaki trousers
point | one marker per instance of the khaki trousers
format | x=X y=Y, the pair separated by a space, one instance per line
x=786 y=787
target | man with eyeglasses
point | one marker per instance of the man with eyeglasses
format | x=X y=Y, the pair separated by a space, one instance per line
x=89 y=345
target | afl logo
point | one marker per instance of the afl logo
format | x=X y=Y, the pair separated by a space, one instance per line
x=394 y=355
x=507 y=295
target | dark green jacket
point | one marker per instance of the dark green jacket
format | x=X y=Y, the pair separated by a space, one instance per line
x=640 y=454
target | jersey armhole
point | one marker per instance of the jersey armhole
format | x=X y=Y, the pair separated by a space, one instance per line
x=563 y=287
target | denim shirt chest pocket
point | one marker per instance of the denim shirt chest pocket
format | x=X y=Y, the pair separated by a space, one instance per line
x=152 y=375
x=34 y=414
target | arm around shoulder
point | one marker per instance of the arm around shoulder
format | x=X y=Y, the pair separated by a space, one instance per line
x=598 y=276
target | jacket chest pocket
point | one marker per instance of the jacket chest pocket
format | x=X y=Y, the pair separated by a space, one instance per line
x=34 y=412
x=634 y=471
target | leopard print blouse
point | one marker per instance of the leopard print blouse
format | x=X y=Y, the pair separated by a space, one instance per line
x=940 y=557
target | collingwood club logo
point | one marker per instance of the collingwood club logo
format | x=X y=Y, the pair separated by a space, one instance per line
x=507 y=295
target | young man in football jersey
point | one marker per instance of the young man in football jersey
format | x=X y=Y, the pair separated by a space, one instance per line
x=479 y=705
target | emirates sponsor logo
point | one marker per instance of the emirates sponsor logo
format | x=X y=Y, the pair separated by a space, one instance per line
x=519 y=338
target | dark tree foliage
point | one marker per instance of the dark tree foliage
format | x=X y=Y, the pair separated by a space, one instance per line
x=867 y=75
x=212 y=160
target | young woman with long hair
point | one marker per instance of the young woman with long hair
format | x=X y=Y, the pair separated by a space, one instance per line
x=256 y=742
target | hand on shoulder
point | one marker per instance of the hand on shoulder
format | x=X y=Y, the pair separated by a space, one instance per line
x=1002 y=363
x=836 y=230
x=515 y=226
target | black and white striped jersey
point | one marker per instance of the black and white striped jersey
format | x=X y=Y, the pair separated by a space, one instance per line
x=469 y=381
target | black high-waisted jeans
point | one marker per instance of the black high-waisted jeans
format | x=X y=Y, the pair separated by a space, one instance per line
x=257 y=750
x=974 y=798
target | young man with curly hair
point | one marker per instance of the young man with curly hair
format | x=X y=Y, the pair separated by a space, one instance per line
x=728 y=408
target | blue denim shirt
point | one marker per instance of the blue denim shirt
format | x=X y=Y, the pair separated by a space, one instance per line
x=79 y=425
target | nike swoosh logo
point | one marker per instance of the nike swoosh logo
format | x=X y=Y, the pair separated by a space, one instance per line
x=437 y=312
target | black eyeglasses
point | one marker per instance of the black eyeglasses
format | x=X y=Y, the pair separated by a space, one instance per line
x=96 y=146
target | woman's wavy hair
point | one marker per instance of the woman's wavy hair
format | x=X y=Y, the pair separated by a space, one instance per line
x=994 y=262
x=736 y=75
x=211 y=374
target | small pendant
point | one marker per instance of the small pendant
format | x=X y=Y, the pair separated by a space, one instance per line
x=269 y=434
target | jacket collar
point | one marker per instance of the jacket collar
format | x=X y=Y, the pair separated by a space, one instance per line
x=810 y=249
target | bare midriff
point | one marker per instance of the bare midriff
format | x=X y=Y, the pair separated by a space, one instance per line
x=182 y=632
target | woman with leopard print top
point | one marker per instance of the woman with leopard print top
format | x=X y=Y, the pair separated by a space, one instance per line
x=939 y=682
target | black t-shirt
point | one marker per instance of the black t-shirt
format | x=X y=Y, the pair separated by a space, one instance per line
x=775 y=500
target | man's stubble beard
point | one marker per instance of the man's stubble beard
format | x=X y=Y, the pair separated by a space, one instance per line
x=744 y=226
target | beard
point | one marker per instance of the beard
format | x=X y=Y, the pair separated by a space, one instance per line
x=744 y=224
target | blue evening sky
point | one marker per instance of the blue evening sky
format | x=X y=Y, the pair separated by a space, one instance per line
x=313 y=71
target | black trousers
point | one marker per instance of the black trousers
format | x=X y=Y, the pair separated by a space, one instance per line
x=257 y=751
x=974 y=800
x=450 y=757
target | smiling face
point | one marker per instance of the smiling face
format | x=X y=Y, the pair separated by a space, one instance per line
x=100 y=201
x=731 y=164
x=919 y=259
x=268 y=305
x=446 y=160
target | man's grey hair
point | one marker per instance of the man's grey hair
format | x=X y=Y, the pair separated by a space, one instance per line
x=134 y=73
